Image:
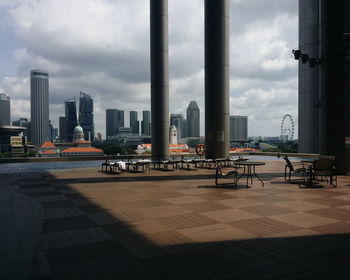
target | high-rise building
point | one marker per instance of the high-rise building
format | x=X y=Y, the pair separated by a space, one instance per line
x=146 y=123
x=63 y=128
x=71 y=118
x=114 y=120
x=53 y=132
x=177 y=121
x=134 y=123
x=193 y=120
x=39 y=106
x=184 y=133
x=5 y=109
x=86 y=116
x=238 y=128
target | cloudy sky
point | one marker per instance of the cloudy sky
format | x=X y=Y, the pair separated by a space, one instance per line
x=101 y=47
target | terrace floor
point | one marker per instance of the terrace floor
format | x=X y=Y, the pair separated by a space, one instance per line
x=83 y=224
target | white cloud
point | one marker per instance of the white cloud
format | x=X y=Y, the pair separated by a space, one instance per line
x=101 y=47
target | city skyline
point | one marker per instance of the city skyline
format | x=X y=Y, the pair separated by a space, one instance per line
x=113 y=65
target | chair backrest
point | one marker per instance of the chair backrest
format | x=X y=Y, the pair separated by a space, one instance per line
x=289 y=164
x=324 y=164
x=218 y=167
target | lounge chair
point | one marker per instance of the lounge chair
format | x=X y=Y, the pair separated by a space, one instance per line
x=295 y=168
x=324 y=168
x=112 y=167
x=219 y=172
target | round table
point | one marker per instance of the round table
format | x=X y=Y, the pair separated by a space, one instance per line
x=249 y=170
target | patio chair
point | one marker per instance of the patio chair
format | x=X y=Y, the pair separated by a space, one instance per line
x=114 y=167
x=324 y=168
x=295 y=168
x=220 y=172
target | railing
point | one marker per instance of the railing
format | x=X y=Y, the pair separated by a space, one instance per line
x=148 y=156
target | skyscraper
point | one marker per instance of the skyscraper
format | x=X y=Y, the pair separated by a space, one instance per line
x=39 y=106
x=184 y=133
x=238 y=128
x=193 y=119
x=71 y=118
x=86 y=116
x=134 y=123
x=146 y=123
x=114 y=120
x=5 y=110
x=177 y=120
x=63 y=128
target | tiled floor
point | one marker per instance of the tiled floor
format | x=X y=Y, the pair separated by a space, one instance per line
x=178 y=225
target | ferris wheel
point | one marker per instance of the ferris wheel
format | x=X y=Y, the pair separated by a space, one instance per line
x=287 y=128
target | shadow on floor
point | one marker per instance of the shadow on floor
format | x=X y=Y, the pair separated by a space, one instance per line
x=82 y=240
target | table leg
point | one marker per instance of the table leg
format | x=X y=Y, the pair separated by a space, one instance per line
x=258 y=176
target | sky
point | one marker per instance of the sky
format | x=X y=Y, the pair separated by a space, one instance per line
x=101 y=47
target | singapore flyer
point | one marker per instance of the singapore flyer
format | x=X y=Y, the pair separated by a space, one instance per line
x=287 y=128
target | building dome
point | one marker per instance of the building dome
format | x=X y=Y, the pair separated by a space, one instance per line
x=78 y=134
x=78 y=129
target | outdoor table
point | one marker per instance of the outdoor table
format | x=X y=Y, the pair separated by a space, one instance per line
x=310 y=163
x=144 y=164
x=249 y=170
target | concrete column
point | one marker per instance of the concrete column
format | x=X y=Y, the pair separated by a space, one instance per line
x=217 y=77
x=335 y=82
x=159 y=79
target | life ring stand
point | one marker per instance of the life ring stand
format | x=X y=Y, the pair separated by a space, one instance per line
x=200 y=149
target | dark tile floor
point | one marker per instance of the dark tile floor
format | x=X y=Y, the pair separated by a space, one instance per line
x=178 y=225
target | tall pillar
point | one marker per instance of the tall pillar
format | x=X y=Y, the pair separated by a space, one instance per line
x=217 y=77
x=335 y=82
x=159 y=79
x=309 y=109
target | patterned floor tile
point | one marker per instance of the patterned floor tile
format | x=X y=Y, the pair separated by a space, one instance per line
x=268 y=210
x=229 y=215
x=215 y=233
x=264 y=226
x=304 y=220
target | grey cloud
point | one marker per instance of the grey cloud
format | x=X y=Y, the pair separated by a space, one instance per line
x=110 y=61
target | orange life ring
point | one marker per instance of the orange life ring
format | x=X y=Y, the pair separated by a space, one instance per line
x=200 y=149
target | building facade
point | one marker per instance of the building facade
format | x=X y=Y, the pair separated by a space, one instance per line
x=193 y=119
x=23 y=122
x=71 y=118
x=324 y=70
x=238 y=128
x=114 y=120
x=134 y=123
x=39 y=106
x=177 y=121
x=146 y=123
x=86 y=115
x=5 y=109
x=62 y=128
x=173 y=135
